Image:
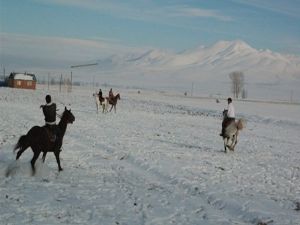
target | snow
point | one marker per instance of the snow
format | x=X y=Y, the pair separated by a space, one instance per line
x=21 y=76
x=158 y=160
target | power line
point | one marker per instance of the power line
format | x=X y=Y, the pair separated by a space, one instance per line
x=83 y=65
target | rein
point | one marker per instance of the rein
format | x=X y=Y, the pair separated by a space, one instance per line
x=58 y=115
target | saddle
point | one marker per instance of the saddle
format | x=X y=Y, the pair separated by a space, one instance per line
x=225 y=124
x=51 y=134
x=101 y=99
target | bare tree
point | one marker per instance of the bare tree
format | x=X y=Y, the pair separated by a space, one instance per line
x=237 y=79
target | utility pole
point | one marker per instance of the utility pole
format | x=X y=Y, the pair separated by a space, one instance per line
x=71 y=82
x=48 y=80
x=192 y=89
x=60 y=82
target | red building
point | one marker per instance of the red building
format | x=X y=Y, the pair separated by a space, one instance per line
x=22 y=80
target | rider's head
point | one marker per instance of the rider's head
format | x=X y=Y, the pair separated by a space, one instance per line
x=229 y=100
x=48 y=98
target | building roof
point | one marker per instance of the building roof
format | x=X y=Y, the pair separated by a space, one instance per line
x=22 y=76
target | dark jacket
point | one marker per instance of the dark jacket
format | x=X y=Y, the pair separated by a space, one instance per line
x=49 y=111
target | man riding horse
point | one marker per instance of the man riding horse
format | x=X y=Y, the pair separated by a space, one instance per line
x=49 y=111
x=110 y=96
x=229 y=118
x=101 y=99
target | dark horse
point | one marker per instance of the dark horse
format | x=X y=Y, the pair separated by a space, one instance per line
x=38 y=139
x=113 y=101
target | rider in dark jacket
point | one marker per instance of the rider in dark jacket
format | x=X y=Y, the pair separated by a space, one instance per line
x=49 y=111
x=100 y=96
x=110 y=95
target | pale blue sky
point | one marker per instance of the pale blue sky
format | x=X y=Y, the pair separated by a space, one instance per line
x=167 y=24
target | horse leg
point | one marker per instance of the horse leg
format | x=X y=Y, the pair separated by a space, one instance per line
x=20 y=153
x=44 y=156
x=104 y=107
x=56 y=153
x=96 y=105
x=111 y=108
x=225 y=144
x=234 y=142
x=34 y=158
x=229 y=142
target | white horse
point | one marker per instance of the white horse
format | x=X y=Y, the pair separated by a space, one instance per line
x=104 y=104
x=231 y=133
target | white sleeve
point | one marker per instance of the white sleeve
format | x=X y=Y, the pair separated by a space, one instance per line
x=231 y=113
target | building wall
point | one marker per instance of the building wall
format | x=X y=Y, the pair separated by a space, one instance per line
x=26 y=84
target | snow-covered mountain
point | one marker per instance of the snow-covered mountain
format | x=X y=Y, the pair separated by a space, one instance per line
x=267 y=74
x=224 y=56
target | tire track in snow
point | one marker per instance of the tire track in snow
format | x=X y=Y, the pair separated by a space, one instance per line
x=176 y=189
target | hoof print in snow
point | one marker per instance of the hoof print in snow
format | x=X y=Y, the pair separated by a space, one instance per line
x=265 y=223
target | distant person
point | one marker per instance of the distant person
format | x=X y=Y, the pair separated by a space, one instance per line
x=49 y=110
x=101 y=99
x=100 y=93
x=230 y=116
x=110 y=95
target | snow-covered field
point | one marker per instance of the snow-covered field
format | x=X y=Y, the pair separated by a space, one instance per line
x=159 y=160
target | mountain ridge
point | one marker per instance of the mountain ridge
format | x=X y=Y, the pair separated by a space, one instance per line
x=207 y=68
x=223 y=54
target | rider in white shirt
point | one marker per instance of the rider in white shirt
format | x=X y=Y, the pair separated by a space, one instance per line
x=230 y=116
x=230 y=113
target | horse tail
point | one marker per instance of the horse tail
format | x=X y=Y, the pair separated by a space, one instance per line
x=241 y=123
x=22 y=143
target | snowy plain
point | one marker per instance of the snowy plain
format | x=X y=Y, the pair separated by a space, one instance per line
x=158 y=160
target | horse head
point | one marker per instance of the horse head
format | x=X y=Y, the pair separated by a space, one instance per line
x=118 y=96
x=68 y=116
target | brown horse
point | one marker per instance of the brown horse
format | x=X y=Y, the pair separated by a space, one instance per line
x=38 y=139
x=113 y=101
